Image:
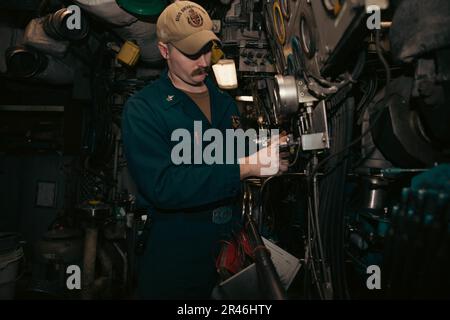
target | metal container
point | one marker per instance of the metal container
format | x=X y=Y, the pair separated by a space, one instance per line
x=10 y=255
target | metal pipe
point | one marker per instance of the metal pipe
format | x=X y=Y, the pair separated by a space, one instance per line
x=386 y=24
x=267 y=275
x=90 y=254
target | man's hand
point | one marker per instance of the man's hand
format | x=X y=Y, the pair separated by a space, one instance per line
x=267 y=161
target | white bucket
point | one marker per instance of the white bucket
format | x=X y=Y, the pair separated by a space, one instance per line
x=9 y=266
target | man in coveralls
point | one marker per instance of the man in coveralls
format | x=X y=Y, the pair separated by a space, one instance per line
x=192 y=206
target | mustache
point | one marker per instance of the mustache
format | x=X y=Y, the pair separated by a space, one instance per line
x=200 y=71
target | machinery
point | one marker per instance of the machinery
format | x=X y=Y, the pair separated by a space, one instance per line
x=352 y=99
x=361 y=88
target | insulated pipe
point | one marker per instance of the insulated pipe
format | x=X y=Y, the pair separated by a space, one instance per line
x=108 y=10
x=28 y=63
x=35 y=36
x=17 y=60
x=128 y=27
x=90 y=254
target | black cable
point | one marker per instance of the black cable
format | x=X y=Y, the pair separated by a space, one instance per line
x=381 y=57
x=354 y=142
x=367 y=97
x=351 y=144
x=332 y=214
x=315 y=247
x=338 y=216
x=312 y=247
x=332 y=210
x=361 y=63
x=102 y=116
x=345 y=167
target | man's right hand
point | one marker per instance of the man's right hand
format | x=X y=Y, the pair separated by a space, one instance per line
x=266 y=162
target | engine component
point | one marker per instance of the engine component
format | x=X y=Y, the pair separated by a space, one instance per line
x=255 y=60
x=315 y=135
x=415 y=33
x=291 y=96
x=375 y=194
x=56 y=26
x=288 y=93
x=399 y=134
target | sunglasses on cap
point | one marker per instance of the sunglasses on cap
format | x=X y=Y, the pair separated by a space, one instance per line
x=204 y=50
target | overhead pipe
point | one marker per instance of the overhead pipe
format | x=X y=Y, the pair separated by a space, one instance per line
x=127 y=27
x=35 y=36
x=108 y=11
x=25 y=62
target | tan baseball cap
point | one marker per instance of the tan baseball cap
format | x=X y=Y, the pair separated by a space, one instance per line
x=186 y=25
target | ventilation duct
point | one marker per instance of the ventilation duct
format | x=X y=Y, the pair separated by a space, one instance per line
x=36 y=37
x=8 y=36
x=20 y=61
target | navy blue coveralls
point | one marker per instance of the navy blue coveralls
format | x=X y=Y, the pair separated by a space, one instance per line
x=179 y=259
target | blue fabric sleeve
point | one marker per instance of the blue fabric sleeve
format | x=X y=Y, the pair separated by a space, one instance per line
x=163 y=184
